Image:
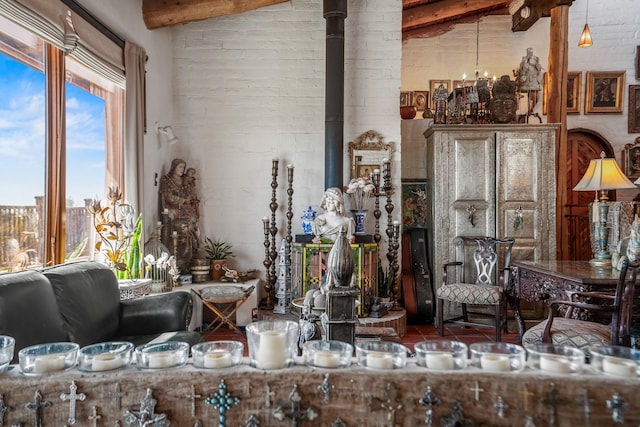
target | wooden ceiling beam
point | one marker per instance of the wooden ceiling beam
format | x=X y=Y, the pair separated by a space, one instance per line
x=163 y=13
x=444 y=27
x=532 y=10
x=437 y=12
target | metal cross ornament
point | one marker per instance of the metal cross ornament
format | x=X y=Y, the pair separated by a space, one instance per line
x=117 y=394
x=429 y=400
x=457 y=418
x=325 y=388
x=36 y=406
x=146 y=416
x=72 y=397
x=617 y=406
x=192 y=397
x=390 y=402
x=3 y=409
x=500 y=406
x=94 y=417
x=222 y=401
x=294 y=412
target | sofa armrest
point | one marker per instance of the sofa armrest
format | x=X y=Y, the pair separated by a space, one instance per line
x=155 y=314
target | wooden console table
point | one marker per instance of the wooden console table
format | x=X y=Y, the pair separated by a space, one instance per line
x=543 y=280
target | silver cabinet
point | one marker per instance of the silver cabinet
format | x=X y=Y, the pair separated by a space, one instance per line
x=493 y=180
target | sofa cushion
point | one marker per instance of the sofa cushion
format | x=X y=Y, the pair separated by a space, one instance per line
x=28 y=310
x=88 y=299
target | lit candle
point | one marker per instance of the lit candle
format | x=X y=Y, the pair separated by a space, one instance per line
x=619 y=367
x=556 y=364
x=105 y=362
x=464 y=76
x=440 y=360
x=165 y=211
x=217 y=359
x=159 y=223
x=326 y=359
x=161 y=360
x=271 y=352
x=379 y=361
x=495 y=363
x=48 y=363
x=174 y=234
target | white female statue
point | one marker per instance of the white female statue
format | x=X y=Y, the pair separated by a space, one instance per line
x=326 y=227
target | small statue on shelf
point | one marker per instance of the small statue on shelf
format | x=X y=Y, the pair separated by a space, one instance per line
x=327 y=226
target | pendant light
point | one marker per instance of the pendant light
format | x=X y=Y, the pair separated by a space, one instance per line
x=585 y=38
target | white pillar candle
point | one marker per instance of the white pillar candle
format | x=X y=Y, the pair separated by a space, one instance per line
x=379 y=361
x=105 y=362
x=272 y=350
x=217 y=359
x=326 y=359
x=495 y=363
x=48 y=363
x=161 y=360
x=556 y=364
x=619 y=367
x=440 y=360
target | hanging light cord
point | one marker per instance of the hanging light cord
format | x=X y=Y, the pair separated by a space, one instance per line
x=477 y=47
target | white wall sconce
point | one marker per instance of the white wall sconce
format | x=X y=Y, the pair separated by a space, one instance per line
x=168 y=131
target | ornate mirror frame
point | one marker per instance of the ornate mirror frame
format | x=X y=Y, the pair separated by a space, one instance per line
x=367 y=152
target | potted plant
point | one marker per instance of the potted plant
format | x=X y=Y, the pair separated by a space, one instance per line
x=217 y=251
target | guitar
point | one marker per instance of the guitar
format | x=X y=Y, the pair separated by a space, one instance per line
x=422 y=275
x=408 y=282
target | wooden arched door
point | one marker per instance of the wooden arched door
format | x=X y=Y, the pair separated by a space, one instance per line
x=583 y=145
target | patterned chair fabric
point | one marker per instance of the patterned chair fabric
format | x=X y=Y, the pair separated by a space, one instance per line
x=470 y=294
x=570 y=332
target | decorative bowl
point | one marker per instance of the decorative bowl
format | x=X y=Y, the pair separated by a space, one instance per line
x=47 y=358
x=615 y=361
x=557 y=359
x=327 y=354
x=7 y=347
x=105 y=356
x=381 y=355
x=441 y=355
x=217 y=354
x=273 y=344
x=170 y=354
x=497 y=357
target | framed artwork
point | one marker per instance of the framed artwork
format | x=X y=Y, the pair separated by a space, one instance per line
x=406 y=99
x=604 y=92
x=364 y=171
x=420 y=99
x=463 y=83
x=434 y=84
x=631 y=159
x=633 y=122
x=574 y=91
x=414 y=203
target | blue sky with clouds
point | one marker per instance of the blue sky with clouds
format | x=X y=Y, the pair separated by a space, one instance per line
x=22 y=134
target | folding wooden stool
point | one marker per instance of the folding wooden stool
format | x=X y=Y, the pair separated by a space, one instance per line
x=223 y=294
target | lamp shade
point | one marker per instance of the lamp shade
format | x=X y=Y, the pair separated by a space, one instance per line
x=585 y=38
x=603 y=174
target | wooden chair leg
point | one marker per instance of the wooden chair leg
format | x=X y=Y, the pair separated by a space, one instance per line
x=440 y=306
x=465 y=316
x=498 y=322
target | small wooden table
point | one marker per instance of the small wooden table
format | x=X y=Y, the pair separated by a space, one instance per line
x=544 y=280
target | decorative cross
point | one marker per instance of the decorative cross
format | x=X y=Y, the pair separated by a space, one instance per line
x=476 y=389
x=390 y=403
x=325 y=388
x=3 y=409
x=192 y=397
x=252 y=421
x=429 y=400
x=36 y=406
x=618 y=406
x=94 y=417
x=338 y=423
x=222 y=401
x=146 y=416
x=553 y=401
x=525 y=398
x=586 y=403
x=457 y=418
x=500 y=406
x=268 y=395
x=72 y=397
x=117 y=394
x=295 y=413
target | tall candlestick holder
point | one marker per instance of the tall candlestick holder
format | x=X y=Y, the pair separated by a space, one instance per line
x=285 y=279
x=375 y=180
x=394 y=245
x=273 y=230
x=386 y=176
x=267 y=259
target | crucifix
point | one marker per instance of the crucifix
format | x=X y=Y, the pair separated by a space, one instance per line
x=192 y=397
x=72 y=397
x=618 y=406
x=429 y=400
x=117 y=395
x=146 y=416
x=3 y=409
x=36 y=406
x=94 y=417
x=295 y=413
x=390 y=402
x=222 y=401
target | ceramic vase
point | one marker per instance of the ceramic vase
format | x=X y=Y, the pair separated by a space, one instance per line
x=359 y=216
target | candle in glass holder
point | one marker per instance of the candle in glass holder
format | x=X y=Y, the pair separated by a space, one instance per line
x=161 y=360
x=439 y=360
x=379 y=361
x=48 y=363
x=272 y=352
x=105 y=362
x=556 y=364
x=217 y=359
x=495 y=363
x=326 y=359
x=619 y=367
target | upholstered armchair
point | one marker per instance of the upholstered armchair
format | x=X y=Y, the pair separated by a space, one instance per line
x=477 y=277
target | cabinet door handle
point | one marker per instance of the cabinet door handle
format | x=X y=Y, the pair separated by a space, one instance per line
x=471 y=210
x=519 y=219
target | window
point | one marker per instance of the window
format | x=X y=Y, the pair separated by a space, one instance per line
x=59 y=123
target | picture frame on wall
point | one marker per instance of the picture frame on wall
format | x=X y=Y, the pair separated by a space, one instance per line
x=631 y=159
x=420 y=99
x=406 y=99
x=604 y=92
x=633 y=118
x=434 y=84
x=414 y=203
x=574 y=92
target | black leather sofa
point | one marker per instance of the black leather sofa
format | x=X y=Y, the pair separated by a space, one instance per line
x=80 y=302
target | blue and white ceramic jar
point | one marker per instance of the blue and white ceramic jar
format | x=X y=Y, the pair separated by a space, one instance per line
x=307 y=218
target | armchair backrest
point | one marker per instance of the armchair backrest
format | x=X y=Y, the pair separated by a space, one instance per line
x=623 y=304
x=483 y=259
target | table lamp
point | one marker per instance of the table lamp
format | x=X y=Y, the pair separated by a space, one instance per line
x=602 y=175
